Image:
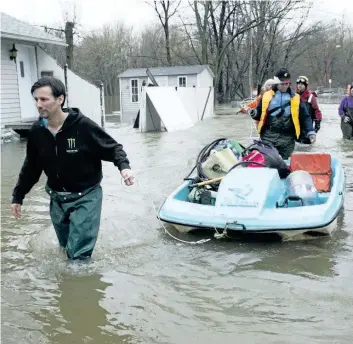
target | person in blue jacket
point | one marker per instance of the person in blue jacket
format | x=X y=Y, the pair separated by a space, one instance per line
x=282 y=116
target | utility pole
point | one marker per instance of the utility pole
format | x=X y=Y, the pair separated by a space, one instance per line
x=250 y=63
x=69 y=36
x=66 y=85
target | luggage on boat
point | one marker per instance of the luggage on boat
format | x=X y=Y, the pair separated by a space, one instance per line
x=217 y=158
x=219 y=162
x=213 y=162
x=318 y=165
x=301 y=187
x=233 y=145
x=220 y=156
x=265 y=156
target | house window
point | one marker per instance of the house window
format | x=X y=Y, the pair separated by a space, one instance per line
x=182 y=81
x=47 y=73
x=134 y=83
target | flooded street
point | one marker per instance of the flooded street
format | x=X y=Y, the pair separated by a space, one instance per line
x=142 y=286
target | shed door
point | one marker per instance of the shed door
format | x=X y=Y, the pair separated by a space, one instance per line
x=27 y=75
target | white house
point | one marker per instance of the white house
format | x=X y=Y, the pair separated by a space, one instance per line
x=130 y=83
x=18 y=75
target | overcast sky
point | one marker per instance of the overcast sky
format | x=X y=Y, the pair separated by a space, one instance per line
x=93 y=14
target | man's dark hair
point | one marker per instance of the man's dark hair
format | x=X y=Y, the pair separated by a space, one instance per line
x=56 y=85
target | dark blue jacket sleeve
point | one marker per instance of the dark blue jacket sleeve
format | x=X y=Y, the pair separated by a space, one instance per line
x=306 y=122
x=257 y=111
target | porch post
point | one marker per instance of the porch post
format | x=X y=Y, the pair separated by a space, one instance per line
x=101 y=92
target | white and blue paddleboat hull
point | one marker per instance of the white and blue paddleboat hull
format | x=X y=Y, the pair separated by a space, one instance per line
x=253 y=201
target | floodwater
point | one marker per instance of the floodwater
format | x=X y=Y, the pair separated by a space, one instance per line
x=142 y=286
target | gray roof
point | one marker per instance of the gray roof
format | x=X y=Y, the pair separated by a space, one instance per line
x=164 y=71
x=16 y=29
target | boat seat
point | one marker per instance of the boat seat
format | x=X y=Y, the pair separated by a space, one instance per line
x=317 y=164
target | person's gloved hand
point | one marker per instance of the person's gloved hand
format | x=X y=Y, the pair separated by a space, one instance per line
x=253 y=114
x=312 y=138
x=127 y=176
x=317 y=125
x=346 y=119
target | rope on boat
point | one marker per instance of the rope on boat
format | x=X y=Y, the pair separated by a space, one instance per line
x=202 y=241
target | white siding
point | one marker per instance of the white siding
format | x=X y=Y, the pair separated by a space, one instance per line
x=129 y=109
x=81 y=93
x=161 y=80
x=10 y=99
x=205 y=79
x=191 y=80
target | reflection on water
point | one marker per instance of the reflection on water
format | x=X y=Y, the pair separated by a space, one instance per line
x=142 y=286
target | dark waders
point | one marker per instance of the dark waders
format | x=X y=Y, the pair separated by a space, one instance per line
x=279 y=132
x=347 y=128
x=285 y=144
x=76 y=219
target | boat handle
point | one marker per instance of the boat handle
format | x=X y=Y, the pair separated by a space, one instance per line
x=289 y=198
x=235 y=223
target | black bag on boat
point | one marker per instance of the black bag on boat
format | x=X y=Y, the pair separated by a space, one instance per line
x=270 y=157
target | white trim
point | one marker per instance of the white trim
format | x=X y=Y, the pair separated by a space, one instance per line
x=310 y=98
x=138 y=90
x=31 y=39
x=186 y=80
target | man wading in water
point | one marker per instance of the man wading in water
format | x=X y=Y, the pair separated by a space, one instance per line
x=69 y=148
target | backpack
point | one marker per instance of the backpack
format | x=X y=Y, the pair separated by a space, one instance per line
x=265 y=154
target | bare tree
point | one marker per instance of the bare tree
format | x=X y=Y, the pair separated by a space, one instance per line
x=164 y=14
x=238 y=14
x=219 y=34
x=202 y=24
x=104 y=54
x=330 y=55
